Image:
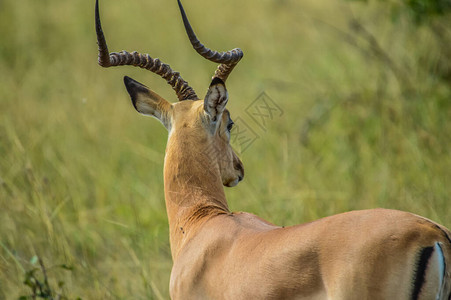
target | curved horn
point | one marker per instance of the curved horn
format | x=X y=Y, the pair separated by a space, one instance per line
x=106 y=59
x=227 y=60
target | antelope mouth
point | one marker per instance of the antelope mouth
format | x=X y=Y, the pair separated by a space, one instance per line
x=234 y=182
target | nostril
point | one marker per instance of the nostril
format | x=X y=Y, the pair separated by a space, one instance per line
x=239 y=167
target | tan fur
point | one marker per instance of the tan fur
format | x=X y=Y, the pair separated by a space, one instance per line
x=369 y=254
x=217 y=254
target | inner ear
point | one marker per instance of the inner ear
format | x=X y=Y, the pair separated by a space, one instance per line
x=216 y=99
x=147 y=102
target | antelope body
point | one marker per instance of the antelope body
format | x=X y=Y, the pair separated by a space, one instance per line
x=217 y=254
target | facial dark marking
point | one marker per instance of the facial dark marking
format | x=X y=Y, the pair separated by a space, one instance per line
x=230 y=122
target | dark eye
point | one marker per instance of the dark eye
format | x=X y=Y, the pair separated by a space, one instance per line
x=230 y=126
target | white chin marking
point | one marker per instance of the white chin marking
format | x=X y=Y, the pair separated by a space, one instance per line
x=232 y=183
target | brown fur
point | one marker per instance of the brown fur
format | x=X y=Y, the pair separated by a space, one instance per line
x=369 y=254
x=217 y=254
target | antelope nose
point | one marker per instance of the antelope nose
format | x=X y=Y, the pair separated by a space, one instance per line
x=239 y=167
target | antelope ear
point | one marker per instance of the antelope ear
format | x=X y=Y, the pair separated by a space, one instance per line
x=148 y=102
x=216 y=99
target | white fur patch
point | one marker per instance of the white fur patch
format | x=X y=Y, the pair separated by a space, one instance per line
x=441 y=268
x=215 y=101
x=146 y=108
x=219 y=92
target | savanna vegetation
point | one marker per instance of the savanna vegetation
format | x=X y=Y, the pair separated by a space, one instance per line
x=363 y=88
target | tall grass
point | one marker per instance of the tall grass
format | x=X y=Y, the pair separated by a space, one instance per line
x=81 y=171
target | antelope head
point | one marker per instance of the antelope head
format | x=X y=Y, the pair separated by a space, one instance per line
x=199 y=130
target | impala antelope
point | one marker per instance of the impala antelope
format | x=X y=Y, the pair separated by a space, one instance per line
x=219 y=254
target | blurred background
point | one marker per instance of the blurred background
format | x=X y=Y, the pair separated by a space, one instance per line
x=364 y=96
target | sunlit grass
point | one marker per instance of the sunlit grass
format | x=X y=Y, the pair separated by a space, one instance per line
x=81 y=172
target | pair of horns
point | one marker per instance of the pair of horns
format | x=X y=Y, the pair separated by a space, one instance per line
x=227 y=60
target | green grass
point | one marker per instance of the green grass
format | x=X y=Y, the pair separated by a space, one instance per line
x=81 y=172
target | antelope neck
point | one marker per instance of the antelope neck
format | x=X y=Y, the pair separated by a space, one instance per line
x=193 y=189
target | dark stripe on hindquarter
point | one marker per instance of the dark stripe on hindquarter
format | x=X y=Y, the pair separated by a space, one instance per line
x=420 y=272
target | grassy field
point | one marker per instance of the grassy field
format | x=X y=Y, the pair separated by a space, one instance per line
x=366 y=123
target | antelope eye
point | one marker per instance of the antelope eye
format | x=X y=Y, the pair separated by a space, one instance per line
x=230 y=126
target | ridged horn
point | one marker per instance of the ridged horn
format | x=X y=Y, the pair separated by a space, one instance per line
x=106 y=59
x=227 y=60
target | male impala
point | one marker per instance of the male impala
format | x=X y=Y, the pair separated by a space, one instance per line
x=218 y=254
